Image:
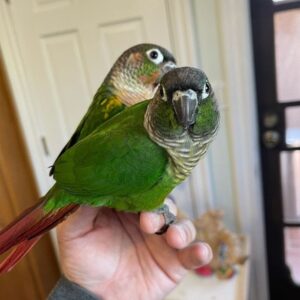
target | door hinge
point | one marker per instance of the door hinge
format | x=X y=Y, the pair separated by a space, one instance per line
x=45 y=146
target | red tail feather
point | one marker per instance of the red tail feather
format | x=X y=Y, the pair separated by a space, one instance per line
x=17 y=254
x=27 y=229
x=20 y=225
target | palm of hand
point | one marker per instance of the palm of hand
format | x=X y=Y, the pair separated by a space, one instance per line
x=107 y=253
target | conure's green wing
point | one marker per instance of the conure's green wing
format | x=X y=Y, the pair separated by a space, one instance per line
x=118 y=159
x=103 y=107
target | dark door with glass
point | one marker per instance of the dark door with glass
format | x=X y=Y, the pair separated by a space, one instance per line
x=276 y=44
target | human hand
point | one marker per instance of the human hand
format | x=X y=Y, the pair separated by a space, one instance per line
x=116 y=255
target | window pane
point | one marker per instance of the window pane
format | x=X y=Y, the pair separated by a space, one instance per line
x=292 y=250
x=292 y=125
x=290 y=181
x=280 y=1
x=287 y=54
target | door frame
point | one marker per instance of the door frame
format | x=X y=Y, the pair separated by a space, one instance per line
x=236 y=83
x=268 y=101
x=19 y=191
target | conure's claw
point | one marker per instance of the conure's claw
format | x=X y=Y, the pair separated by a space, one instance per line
x=168 y=216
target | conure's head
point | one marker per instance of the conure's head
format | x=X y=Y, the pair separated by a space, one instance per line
x=185 y=103
x=183 y=116
x=136 y=74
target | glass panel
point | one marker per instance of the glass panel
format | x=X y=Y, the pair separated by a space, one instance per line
x=290 y=181
x=292 y=250
x=287 y=54
x=292 y=125
x=279 y=1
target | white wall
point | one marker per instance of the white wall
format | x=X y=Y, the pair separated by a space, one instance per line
x=223 y=38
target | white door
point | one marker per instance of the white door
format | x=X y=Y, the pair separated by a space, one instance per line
x=67 y=48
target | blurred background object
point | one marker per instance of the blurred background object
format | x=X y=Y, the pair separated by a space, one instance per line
x=228 y=247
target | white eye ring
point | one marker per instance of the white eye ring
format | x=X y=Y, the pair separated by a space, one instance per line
x=155 y=56
x=206 y=91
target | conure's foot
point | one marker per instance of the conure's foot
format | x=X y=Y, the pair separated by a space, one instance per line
x=168 y=216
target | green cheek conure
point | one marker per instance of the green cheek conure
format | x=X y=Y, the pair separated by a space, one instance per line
x=130 y=162
x=132 y=79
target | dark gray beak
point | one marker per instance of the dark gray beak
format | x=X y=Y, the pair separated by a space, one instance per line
x=168 y=66
x=185 y=105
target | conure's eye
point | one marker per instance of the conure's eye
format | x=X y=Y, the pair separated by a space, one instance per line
x=207 y=88
x=205 y=91
x=155 y=56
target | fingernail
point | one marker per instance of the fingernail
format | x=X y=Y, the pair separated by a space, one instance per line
x=206 y=252
x=155 y=221
x=182 y=234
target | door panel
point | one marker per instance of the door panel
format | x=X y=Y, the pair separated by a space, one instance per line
x=287 y=54
x=113 y=36
x=64 y=50
x=68 y=47
x=276 y=29
x=292 y=250
x=290 y=174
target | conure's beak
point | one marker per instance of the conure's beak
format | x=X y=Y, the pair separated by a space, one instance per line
x=185 y=105
x=168 y=66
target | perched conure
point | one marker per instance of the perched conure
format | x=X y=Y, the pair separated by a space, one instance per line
x=130 y=162
x=132 y=79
